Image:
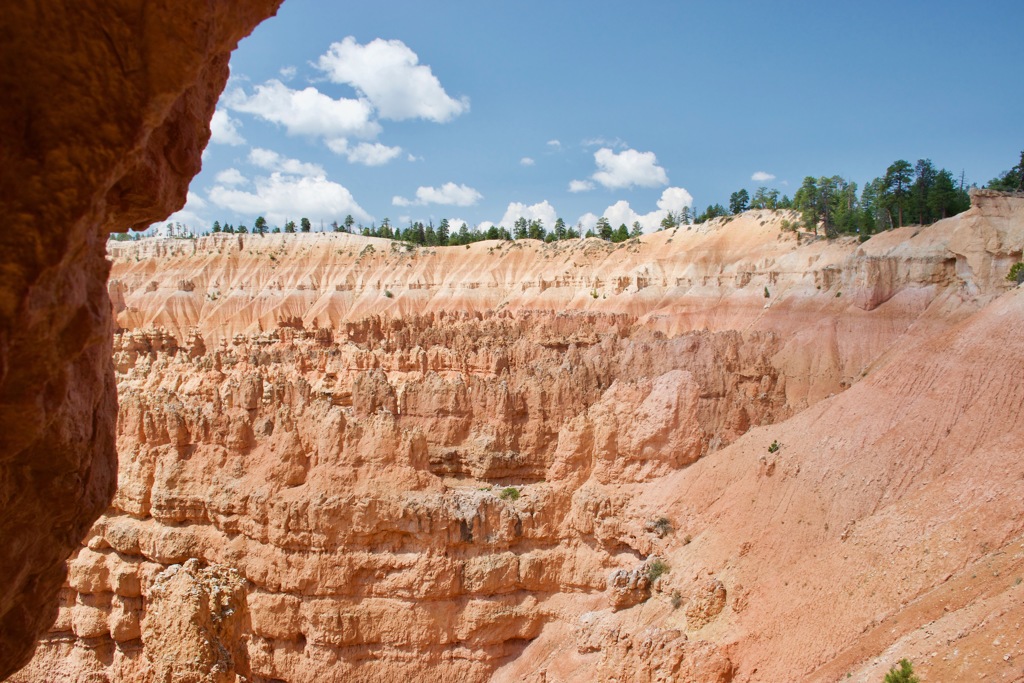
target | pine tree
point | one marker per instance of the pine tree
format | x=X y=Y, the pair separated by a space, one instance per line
x=559 y=229
x=738 y=201
x=897 y=186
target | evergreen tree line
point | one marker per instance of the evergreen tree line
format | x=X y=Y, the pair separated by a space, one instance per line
x=918 y=193
x=907 y=193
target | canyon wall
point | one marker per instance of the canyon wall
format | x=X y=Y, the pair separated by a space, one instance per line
x=104 y=116
x=728 y=452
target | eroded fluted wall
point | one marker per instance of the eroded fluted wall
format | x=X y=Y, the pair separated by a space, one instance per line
x=103 y=120
x=316 y=435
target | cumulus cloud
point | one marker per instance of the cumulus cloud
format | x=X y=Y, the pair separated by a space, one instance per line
x=527 y=161
x=628 y=168
x=587 y=221
x=389 y=81
x=230 y=176
x=580 y=185
x=389 y=75
x=224 y=129
x=272 y=161
x=281 y=197
x=448 y=194
x=557 y=144
x=762 y=176
x=373 y=154
x=307 y=111
x=412 y=157
x=672 y=199
x=193 y=200
x=542 y=211
x=675 y=199
x=366 y=153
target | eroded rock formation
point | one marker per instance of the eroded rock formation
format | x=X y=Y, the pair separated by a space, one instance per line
x=104 y=116
x=550 y=462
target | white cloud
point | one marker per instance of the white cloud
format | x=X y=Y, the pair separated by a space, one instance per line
x=412 y=157
x=224 y=129
x=366 y=153
x=675 y=199
x=373 y=154
x=527 y=161
x=587 y=221
x=194 y=201
x=190 y=214
x=448 y=194
x=272 y=161
x=390 y=76
x=627 y=169
x=287 y=72
x=580 y=185
x=230 y=176
x=672 y=199
x=762 y=177
x=615 y=143
x=555 y=143
x=282 y=197
x=542 y=211
x=307 y=111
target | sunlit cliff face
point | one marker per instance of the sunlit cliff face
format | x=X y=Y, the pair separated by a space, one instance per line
x=495 y=474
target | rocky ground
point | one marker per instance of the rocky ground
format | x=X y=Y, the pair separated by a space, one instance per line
x=729 y=452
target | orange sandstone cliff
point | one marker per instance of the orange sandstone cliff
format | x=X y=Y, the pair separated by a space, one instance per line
x=347 y=459
x=104 y=116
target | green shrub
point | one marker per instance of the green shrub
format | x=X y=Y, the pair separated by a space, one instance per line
x=509 y=493
x=905 y=674
x=766 y=294
x=1016 y=273
x=387 y=293
x=656 y=568
x=774 y=447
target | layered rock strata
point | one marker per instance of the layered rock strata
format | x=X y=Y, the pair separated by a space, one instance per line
x=723 y=453
x=104 y=116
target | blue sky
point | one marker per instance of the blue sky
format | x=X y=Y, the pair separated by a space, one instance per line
x=484 y=111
